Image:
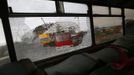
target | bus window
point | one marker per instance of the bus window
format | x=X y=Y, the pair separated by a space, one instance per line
x=115 y=11
x=4 y=57
x=129 y=14
x=75 y=8
x=100 y=10
x=32 y=6
x=107 y=28
x=43 y=37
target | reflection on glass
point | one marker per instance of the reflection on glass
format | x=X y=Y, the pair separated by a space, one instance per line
x=100 y=10
x=42 y=37
x=115 y=11
x=75 y=8
x=107 y=28
x=4 y=58
x=32 y=6
x=129 y=14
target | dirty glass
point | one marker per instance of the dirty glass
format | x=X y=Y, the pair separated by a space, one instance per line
x=43 y=37
x=107 y=28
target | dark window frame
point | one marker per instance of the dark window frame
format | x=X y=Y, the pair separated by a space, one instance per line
x=7 y=28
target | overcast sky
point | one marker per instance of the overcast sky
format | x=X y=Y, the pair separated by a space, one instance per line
x=32 y=5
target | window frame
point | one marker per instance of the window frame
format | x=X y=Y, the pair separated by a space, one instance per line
x=8 y=34
x=122 y=15
x=59 y=13
x=4 y=46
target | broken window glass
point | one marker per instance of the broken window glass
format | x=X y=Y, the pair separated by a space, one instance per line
x=43 y=37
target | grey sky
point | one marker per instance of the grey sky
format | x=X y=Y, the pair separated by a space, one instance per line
x=32 y=6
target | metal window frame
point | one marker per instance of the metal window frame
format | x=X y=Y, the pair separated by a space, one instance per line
x=7 y=29
x=122 y=15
